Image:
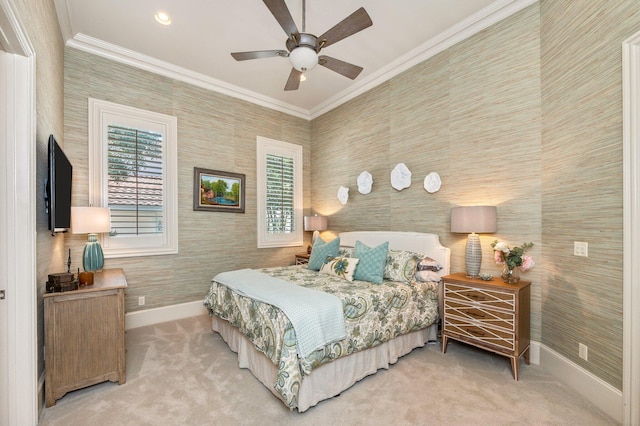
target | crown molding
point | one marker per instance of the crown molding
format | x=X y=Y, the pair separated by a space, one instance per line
x=488 y=16
x=129 y=57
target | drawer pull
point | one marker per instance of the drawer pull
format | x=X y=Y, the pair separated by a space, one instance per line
x=476 y=332
x=476 y=314
x=476 y=297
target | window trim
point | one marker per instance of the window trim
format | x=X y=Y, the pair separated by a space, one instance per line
x=100 y=113
x=266 y=146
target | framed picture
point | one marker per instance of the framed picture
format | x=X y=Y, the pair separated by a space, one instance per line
x=217 y=191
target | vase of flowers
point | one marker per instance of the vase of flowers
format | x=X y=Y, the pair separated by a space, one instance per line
x=513 y=260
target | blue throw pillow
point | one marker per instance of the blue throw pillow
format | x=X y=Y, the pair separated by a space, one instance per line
x=321 y=250
x=372 y=261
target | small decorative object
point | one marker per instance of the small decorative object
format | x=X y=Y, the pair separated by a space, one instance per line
x=217 y=191
x=309 y=249
x=365 y=181
x=400 y=177
x=432 y=182
x=469 y=220
x=513 y=259
x=343 y=195
x=485 y=277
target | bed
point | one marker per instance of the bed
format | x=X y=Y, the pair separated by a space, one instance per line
x=266 y=343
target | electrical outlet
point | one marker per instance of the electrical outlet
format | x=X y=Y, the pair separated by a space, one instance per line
x=583 y=351
x=580 y=248
x=140 y=300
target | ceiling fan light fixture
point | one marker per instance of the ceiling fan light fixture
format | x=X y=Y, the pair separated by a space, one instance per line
x=303 y=58
x=303 y=77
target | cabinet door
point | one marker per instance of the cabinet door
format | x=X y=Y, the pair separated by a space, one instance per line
x=87 y=338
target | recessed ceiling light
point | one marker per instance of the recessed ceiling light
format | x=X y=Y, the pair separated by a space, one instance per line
x=163 y=18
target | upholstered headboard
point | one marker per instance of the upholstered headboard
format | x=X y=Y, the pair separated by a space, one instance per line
x=419 y=242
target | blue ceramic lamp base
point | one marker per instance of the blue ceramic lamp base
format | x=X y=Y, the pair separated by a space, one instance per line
x=92 y=258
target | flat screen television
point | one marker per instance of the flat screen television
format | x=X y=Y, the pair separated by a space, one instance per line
x=58 y=188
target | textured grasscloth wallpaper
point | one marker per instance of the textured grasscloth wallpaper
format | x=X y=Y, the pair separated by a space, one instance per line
x=582 y=178
x=214 y=132
x=525 y=115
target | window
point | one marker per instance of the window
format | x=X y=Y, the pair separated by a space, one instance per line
x=133 y=171
x=279 y=166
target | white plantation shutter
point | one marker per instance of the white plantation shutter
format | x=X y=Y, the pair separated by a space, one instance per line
x=279 y=166
x=280 y=209
x=133 y=171
x=135 y=181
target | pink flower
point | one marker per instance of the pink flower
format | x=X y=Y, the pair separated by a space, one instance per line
x=498 y=257
x=527 y=263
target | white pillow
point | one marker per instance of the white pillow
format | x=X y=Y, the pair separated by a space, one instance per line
x=342 y=267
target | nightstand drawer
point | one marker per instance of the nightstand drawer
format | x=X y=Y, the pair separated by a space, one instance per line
x=487 y=298
x=495 y=318
x=484 y=335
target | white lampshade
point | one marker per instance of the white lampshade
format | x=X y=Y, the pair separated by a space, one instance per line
x=303 y=58
x=315 y=223
x=479 y=219
x=469 y=220
x=90 y=220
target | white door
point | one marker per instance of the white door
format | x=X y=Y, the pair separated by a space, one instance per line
x=4 y=317
x=18 y=334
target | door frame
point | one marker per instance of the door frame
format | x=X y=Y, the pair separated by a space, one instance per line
x=631 y=229
x=18 y=245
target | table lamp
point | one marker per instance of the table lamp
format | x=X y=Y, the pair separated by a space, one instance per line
x=92 y=221
x=316 y=224
x=473 y=220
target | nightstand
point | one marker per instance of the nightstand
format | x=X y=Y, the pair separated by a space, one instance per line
x=84 y=335
x=490 y=315
x=302 y=258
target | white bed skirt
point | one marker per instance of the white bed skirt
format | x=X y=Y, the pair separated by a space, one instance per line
x=329 y=379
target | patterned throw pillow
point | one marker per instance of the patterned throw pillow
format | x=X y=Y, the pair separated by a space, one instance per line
x=321 y=250
x=345 y=251
x=401 y=265
x=427 y=270
x=343 y=267
x=372 y=261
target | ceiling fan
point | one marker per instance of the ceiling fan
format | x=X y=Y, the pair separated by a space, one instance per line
x=303 y=48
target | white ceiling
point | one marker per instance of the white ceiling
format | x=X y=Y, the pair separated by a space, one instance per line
x=196 y=47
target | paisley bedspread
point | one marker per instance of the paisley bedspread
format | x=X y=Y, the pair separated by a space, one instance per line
x=374 y=314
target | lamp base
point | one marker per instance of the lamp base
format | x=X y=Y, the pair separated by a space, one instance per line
x=92 y=257
x=473 y=255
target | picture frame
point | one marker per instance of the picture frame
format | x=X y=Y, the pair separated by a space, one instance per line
x=218 y=191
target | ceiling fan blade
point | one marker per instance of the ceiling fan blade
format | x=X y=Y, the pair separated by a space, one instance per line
x=357 y=21
x=294 y=80
x=348 y=70
x=259 y=54
x=280 y=11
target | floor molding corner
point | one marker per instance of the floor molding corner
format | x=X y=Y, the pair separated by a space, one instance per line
x=595 y=390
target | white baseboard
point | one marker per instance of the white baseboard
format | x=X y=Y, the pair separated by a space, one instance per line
x=166 y=313
x=597 y=391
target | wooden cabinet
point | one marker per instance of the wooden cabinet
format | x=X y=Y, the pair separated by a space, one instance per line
x=302 y=258
x=490 y=315
x=84 y=335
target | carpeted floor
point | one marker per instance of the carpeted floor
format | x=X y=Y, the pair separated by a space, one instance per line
x=182 y=373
